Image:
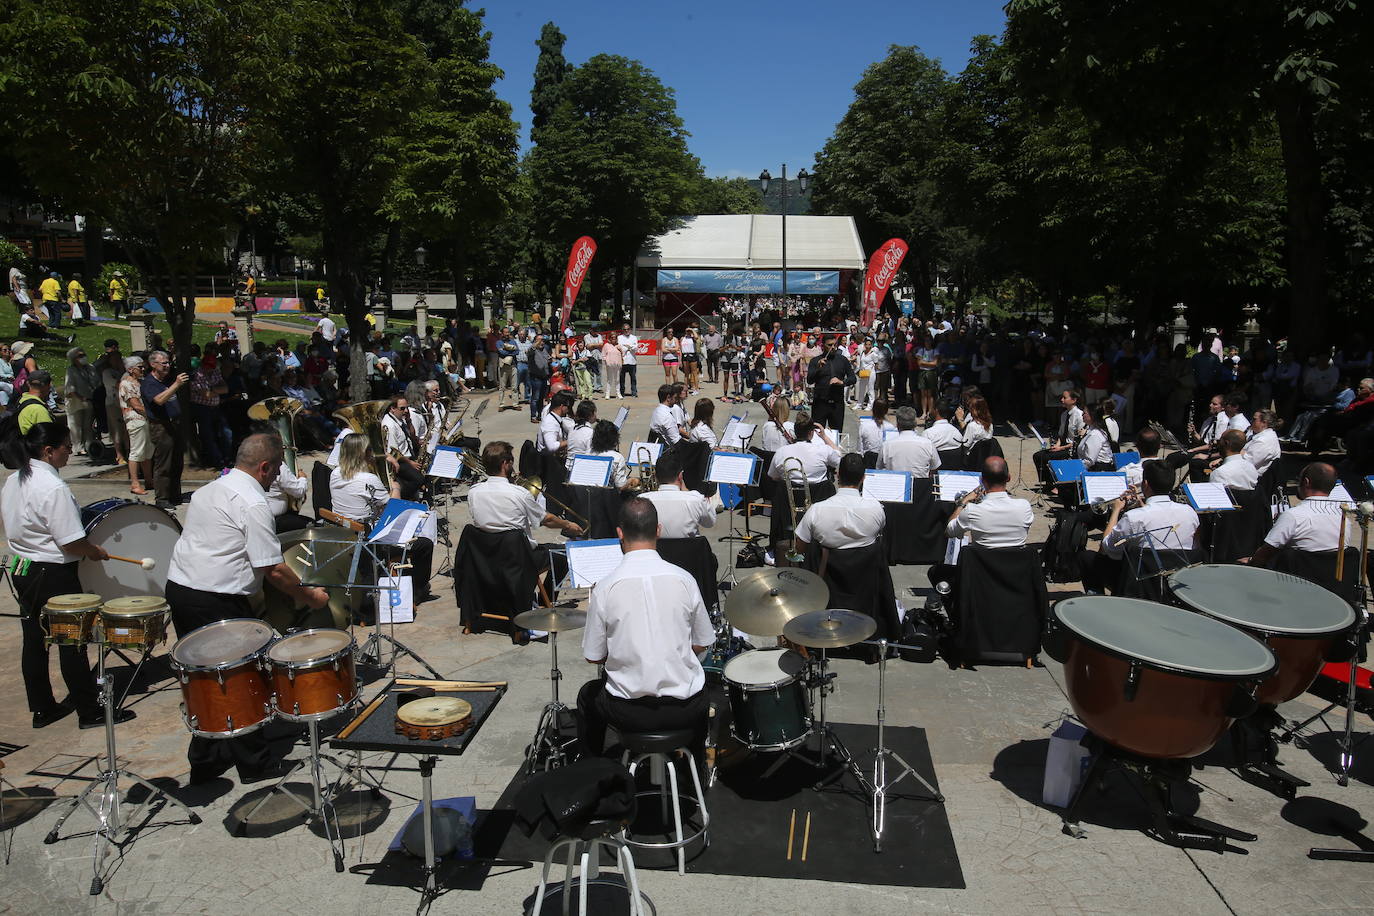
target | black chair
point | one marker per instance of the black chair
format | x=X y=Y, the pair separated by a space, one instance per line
x=1145 y=572
x=915 y=531
x=528 y=459
x=603 y=506
x=1232 y=535
x=1320 y=567
x=982 y=450
x=320 y=495
x=695 y=457
x=1269 y=481
x=696 y=556
x=1000 y=606
x=871 y=460
x=859 y=580
x=780 y=528
x=495 y=576
x=952 y=459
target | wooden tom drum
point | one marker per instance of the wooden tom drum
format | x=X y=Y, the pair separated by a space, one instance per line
x=1157 y=680
x=68 y=619
x=138 y=622
x=312 y=674
x=225 y=691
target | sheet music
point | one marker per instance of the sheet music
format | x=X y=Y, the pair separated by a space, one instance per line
x=834 y=436
x=736 y=434
x=732 y=467
x=447 y=462
x=591 y=561
x=889 y=433
x=620 y=416
x=1208 y=497
x=950 y=485
x=401 y=529
x=1340 y=494
x=1038 y=438
x=636 y=453
x=888 y=486
x=590 y=471
x=727 y=435
x=1103 y=488
x=433 y=440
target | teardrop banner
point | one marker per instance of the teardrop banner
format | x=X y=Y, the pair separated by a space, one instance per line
x=583 y=250
x=882 y=270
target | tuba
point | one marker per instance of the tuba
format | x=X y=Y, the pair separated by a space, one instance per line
x=365 y=418
x=282 y=412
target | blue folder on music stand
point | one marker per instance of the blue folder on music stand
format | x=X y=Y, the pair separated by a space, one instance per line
x=1121 y=459
x=1067 y=470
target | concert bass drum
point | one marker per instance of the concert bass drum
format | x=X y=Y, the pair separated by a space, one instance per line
x=129 y=529
x=1301 y=622
x=1157 y=680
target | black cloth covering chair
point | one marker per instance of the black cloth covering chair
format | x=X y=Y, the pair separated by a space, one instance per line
x=859 y=580
x=695 y=457
x=1145 y=572
x=696 y=556
x=320 y=496
x=982 y=450
x=495 y=577
x=1001 y=604
x=1320 y=567
x=915 y=531
x=780 y=514
x=952 y=459
x=1236 y=534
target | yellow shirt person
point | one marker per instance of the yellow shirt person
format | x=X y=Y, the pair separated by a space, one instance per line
x=50 y=290
x=76 y=293
x=119 y=289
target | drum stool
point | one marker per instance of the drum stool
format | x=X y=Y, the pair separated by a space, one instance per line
x=659 y=749
x=584 y=849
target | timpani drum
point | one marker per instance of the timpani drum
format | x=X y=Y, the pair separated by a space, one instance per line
x=1300 y=621
x=225 y=690
x=69 y=619
x=129 y=529
x=1157 y=680
x=312 y=674
x=137 y=622
x=768 y=700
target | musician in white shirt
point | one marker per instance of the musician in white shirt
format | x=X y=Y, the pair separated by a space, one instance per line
x=816 y=457
x=1160 y=522
x=580 y=437
x=988 y=517
x=664 y=420
x=288 y=488
x=553 y=431
x=1095 y=448
x=779 y=430
x=1313 y=525
x=401 y=446
x=847 y=519
x=977 y=421
x=1070 y=427
x=434 y=410
x=1263 y=448
x=699 y=430
x=1234 y=408
x=646 y=625
x=1234 y=470
x=942 y=433
x=682 y=513
x=871 y=429
x=497 y=504
x=909 y=450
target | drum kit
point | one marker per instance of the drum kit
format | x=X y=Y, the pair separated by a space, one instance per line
x=773 y=691
x=1159 y=685
x=237 y=676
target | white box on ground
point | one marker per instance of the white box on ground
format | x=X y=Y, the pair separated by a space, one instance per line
x=1065 y=762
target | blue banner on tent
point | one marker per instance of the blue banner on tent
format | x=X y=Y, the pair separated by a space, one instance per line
x=809 y=282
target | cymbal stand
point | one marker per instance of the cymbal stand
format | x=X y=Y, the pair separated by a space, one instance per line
x=116 y=827
x=829 y=741
x=1361 y=512
x=548 y=745
x=881 y=784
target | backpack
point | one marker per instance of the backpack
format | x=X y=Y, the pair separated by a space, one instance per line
x=1068 y=537
x=9 y=431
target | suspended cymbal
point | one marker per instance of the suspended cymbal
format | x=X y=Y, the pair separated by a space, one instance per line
x=766 y=599
x=830 y=629
x=552 y=620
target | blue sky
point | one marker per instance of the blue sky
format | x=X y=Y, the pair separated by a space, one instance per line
x=757 y=84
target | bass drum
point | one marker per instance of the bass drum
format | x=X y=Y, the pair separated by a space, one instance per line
x=1157 y=680
x=129 y=529
x=320 y=556
x=1300 y=621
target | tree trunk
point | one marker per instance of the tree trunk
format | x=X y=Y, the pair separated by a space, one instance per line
x=460 y=279
x=1306 y=213
x=393 y=239
x=94 y=238
x=921 y=283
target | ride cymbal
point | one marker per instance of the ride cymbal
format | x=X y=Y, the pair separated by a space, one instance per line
x=763 y=601
x=830 y=629
x=552 y=620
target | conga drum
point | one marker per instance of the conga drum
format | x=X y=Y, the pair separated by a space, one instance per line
x=68 y=619
x=312 y=674
x=1300 y=621
x=225 y=690
x=136 y=622
x=1156 y=680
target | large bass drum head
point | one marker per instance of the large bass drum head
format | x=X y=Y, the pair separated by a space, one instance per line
x=128 y=529
x=1262 y=599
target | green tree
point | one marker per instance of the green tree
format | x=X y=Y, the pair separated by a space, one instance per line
x=726 y=195
x=550 y=70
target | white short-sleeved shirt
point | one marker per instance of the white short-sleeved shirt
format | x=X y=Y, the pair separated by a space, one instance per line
x=1263 y=449
x=360 y=497
x=551 y=432
x=41 y=515
x=847 y=519
x=870 y=435
x=909 y=451
x=997 y=520
x=773 y=438
x=395 y=435
x=1095 y=448
x=620 y=472
x=681 y=513
x=816 y=458
x=499 y=505
x=703 y=432
x=974 y=432
x=943 y=435
x=286 y=486
x=1170 y=525
x=579 y=443
x=327 y=328
x=1240 y=421
x=1313 y=525
x=643 y=619
x=1212 y=428
x=229 y=539
x=1235 y=472
x=664 y=422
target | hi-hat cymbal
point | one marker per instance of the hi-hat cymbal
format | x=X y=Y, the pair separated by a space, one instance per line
x=766 y=599
x=552 y=620
x=830 y=629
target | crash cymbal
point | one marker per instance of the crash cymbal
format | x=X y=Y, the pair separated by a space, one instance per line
x=552 y=620
x=830 y=629
x=763 y=601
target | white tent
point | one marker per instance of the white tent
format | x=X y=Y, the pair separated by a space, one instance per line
x=749 y=242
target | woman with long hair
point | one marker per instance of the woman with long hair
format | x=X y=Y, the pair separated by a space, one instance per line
x=731 y=352
x=699 y=430
x=606 y=442
x=796 y=371
x=928 y=367
x=872 y=430
x=672 y=354
x=691 y=358
x=778 y=431
x=356 y=490
x=43 y=524
x=580 y=436
x=977 y=421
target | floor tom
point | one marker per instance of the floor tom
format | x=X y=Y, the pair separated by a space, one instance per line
x=768 y=700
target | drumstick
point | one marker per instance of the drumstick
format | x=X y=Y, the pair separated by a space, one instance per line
x=806 y=836
x=791 y=830
x=146 y=562
x=371 y=708
x=438 y=685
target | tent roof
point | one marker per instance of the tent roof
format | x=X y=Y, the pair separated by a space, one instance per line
x=755 y=241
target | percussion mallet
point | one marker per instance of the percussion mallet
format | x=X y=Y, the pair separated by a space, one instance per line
x=146 y=562
x=791 y=831
x=806 y=836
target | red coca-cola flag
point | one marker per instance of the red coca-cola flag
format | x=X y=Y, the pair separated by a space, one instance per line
x=882 y=269
x=579 y=260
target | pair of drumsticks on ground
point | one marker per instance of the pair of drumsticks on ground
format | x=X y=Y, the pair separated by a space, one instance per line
x=806 y=835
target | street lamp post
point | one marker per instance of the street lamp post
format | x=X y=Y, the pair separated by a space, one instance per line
x=764 y=178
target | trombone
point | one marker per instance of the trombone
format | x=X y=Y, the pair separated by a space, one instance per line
x=798 y=497
x=531 y=485
x=648 y=479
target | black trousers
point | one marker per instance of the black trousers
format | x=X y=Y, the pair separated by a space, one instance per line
x=827 y=413
x=169 y=451
x=1042 y=460
x=1101 y=573
x=191 y=610
x=40 y=582
x=411 y=479
x=645 y=714
x=291 y=521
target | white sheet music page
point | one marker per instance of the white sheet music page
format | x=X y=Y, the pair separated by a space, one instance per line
x=736 y=434
x=887 y=486
x=1102 y=488
x=1208 y=497
x=591 y=561
x=401 y=529
x=447 y=462
x=726 y=467
x=636 y=453
x=620 y=416
x=950 y=485
x=590 y=470
x=1340 y=494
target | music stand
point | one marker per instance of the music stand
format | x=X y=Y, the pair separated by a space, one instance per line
x=731 y=470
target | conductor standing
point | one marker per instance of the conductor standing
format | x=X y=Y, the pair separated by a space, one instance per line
x=828 y=375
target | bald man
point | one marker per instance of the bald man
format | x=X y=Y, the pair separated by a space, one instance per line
x=989 y=516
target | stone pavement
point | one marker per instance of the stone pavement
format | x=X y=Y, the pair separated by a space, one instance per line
x=987 y=730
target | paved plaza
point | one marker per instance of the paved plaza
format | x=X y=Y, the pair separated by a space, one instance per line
x=987 y=728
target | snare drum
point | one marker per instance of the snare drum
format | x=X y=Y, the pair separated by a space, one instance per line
x=139 y=622
x=1299 y=620
x=225 y=690
x=768 y=700
x=312 y=674
x=128 y=529
x=68 y=619
x=1154 y=679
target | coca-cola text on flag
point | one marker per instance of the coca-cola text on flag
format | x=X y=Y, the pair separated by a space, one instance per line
x=579 y=261
x=882 y=270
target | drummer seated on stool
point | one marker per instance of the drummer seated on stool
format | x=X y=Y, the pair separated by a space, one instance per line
x=1313 y=525
x=682 y=513
x=646 y=624
x=226 y=550
x=989 y=516
x=1159 y=524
